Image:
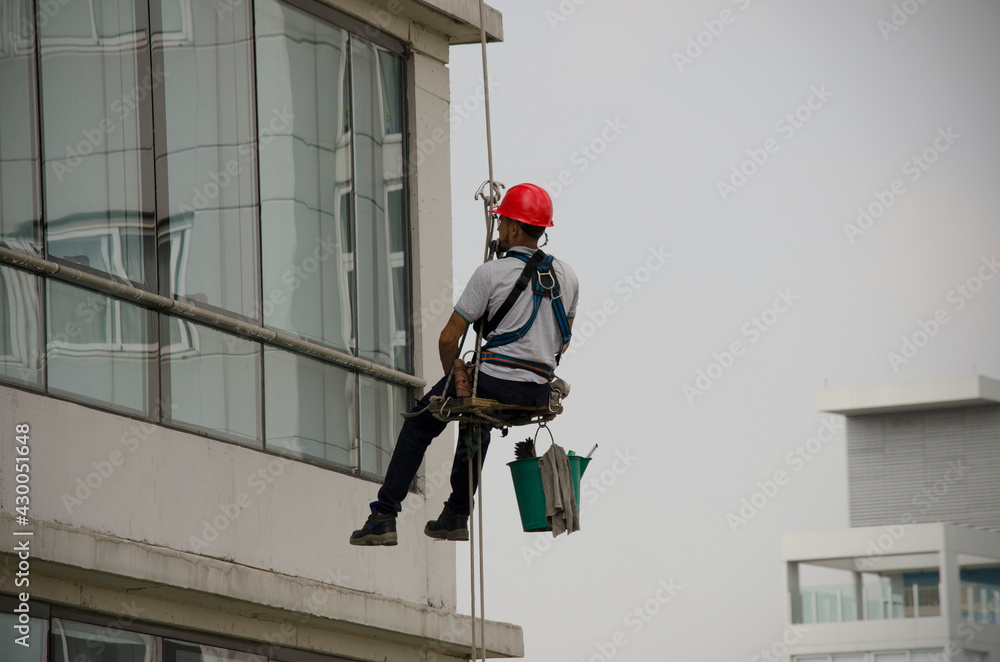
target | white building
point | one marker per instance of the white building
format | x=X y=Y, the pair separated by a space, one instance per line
x=225 y=231
x=917 y=577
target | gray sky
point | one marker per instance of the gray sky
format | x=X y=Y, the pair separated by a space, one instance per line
x=831 y=303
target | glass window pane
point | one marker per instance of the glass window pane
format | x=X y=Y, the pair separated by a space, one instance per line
x=100 y=350
x=210 y=380
x=848 y=658
x=96 y=123
x=19 y=182
x=305 y=165
x=72 y=642
x=11 y=651
x=378 y=156
x=309 y=407
x=205 y=162
x=381 y=406
x=180 y=651
x=890 y=657
x=20 y=328
x=925 y=656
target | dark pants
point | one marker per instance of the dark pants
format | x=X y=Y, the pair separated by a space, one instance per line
x=418 y=433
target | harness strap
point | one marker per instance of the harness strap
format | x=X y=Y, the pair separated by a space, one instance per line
x=486 y=327
x=539 y=270
x=531 y=366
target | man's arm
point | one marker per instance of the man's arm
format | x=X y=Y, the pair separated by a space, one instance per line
x=451 y=335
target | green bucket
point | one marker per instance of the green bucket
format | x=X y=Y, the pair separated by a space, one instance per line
x=530 y=495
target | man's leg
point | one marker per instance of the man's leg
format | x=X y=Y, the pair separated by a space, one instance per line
x=414 y=438
x=417 y=434
x=501 y=390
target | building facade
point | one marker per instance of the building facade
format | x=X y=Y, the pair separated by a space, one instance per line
x=917 y=577
x=224 y=228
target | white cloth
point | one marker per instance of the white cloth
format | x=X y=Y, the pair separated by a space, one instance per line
x=489 y=287
x=557 y=483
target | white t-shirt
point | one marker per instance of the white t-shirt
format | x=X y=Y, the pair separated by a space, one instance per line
x=488 y=289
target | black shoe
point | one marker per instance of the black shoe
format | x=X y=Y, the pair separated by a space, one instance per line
x=380 y=529
x=448 y=526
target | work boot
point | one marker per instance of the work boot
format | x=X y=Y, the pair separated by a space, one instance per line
x=380 y=529
x=448 y=526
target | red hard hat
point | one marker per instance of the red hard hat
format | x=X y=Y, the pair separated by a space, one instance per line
x=527 y=203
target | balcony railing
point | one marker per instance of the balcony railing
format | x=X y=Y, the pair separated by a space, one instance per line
x=839 y=604
x=981 y=602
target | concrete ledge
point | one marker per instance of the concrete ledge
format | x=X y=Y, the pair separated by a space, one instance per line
x=941 y=394
x=71 y=566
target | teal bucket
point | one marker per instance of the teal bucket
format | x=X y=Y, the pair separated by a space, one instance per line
x=530 y=495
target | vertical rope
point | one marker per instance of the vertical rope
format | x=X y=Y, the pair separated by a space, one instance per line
x=472 y=555
x=479 y=526
x=489 y=200
x=486 y=91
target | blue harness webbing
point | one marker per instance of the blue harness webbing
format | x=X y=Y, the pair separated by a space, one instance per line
x=544 y=285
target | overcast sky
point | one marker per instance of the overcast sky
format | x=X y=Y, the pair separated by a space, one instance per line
x=709 y=161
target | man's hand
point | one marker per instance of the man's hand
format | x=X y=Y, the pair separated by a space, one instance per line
x=451 y=335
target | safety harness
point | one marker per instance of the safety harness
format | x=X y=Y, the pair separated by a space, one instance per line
x=539 y=271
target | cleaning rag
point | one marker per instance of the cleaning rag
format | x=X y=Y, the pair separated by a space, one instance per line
x=557 y=483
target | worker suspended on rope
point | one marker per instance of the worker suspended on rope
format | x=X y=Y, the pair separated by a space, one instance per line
x=525 y=304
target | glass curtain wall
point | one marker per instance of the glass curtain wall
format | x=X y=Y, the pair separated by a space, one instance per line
x=205 y=163
x=98 y=137
x=243 y=157
x=20 y=193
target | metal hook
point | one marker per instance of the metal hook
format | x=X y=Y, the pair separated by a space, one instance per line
x=494 y=194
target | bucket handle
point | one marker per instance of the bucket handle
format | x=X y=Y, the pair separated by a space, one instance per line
x=552 y=439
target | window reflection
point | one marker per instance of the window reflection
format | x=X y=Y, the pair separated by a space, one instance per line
x=99 y=349
x=381 y=404
x=305 y=163
x=210 y=380
x=98 y=136
x=19 y=182
x=181 y=651
x=383 y=300
x=205 y=164
x=20 y=328
x=72 y=642
x=310 y=407
x=11 y=650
